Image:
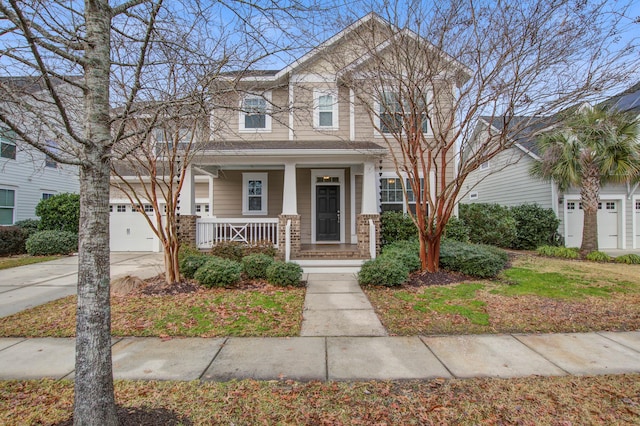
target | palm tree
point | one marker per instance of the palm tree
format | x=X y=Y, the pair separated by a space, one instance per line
x=592 y=147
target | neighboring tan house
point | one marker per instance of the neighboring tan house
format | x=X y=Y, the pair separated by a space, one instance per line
x=26 y=174
x=506 y=180
x=293 y=157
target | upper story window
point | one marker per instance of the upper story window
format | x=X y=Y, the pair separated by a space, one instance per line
x=395 y=115
x=254 y=113
x=254 y=193
x=7 y=206
x=325 y=110
x=48 y=161
x=7 y=144
x=166 y=138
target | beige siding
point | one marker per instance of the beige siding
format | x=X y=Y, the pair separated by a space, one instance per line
x=303 y=112
x=303 y=181
x=227 y=194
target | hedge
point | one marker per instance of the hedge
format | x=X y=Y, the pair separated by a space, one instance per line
x=60 y=212
x=12 y=240
x=490 y=224
x=46 y=243
x=218 y=272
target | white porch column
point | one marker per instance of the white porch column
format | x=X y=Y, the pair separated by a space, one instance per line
x=188 y=193
x=369 y=189
x=211 y=196
x=289 y=194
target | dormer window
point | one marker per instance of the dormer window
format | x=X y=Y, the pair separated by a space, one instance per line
x=254 y=113
x=325 y=110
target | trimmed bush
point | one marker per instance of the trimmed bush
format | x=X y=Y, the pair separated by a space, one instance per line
x=472 y=259
x=232 y=250
x=59 y=213
x=405 y=252
x=284 y=273
x=187 y=250
x=12 y=240
x=190 y=263
x=261 y=247
x=255 y=265
x=28 y=226
x=396 y=226
x=630 y=259
x=598 y=256
x=535 y=226
x=456 y=230
x=562 y=252
x=384 y=271
x=218 y=272
x=490 y=224
x=46 y=243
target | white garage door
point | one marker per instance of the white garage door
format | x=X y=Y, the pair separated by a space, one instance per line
x=637 y=222
x=129 y=230
x=608 y=224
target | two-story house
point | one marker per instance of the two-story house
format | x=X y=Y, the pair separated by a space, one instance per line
x=26 y=174
x=296 y=156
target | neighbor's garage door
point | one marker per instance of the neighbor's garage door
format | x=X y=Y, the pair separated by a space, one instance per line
x=637 y=222
x=129 y=230
x=608 y=223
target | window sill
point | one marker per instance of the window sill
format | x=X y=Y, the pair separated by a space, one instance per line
x=254 y=130
x=262 y=213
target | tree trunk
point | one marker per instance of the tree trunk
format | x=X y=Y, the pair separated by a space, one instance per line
x=590 y=194
x=433 y=254
x=94 y=396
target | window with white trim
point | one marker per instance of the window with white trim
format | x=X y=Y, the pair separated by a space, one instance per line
x=254 y=113
x=166 y=138
x=48 y=161
x=325 y=109
x=202 y=208
x=148 y=208
x=254 y=193
x=121 y=208
x=473 y=195
x=7 y=144
x=392 y=195
x=47 y=195
x=396 y=115
x=484 y=166
x=7 y=206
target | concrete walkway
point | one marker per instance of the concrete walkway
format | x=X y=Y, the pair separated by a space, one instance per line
x=27 y=286
x=335 y=305
x=336 y=358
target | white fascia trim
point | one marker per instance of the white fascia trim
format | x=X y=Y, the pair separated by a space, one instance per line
x=314 y=78
x=291 y=117
x=298 y=152
x=528 y=152
x=352 y=115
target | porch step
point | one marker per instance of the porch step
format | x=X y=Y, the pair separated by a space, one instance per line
x=329 y=255
x=326 y=266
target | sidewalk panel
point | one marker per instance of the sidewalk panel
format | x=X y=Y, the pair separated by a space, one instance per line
x=585 y=353
x=361 y=322
x=339 y=301
x=297 y=358
x=345 y=286
x=139 y=358
x=381 y=358
x=630 y=339
x=38 y=358
x=489 y=356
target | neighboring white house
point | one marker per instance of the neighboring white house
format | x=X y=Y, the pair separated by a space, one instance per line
x=506 y=180
x=294 y=157
x=26 y=174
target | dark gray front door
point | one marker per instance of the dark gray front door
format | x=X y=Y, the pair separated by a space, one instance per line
x=328 y=213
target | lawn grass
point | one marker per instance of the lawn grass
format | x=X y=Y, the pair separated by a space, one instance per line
x=206 y=313
x=21 y=260
x=527 y=401
x=535 y=295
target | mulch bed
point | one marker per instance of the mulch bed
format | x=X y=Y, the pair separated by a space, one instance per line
x=423 y=279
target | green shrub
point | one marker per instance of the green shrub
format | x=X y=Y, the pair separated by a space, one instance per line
x=232 y=250
x=284 y=273
x=563 y=252
x=456 y=230
x=405 y=252
x=598 y=256
x=535 y=226
x=190 y=263
x=472 y=259
x=255 y=265
x=12 y=240
x=490 y=224
x=396 y=226
x=187 y=250
x=59 y=213
x=28 y=226
x=630 y=259
x=46 y=243
x=383 y=271
x=261 y=247
x=218 y=272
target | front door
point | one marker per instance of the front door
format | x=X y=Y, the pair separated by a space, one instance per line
x=328 y=213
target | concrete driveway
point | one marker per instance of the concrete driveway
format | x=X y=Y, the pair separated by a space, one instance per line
x=32 y=285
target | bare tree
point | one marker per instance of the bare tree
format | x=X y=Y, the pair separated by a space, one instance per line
x=440 y=66
x=117 y=53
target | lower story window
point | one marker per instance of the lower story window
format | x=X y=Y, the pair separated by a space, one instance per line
x=47 y=195
x=254 y=193
x=7 y=206
x=202 y=208
x=392 y=195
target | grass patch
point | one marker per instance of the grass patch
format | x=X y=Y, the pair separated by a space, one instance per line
x=535 y=295
x=22 y=260
x=206 y=313
x=533 y=400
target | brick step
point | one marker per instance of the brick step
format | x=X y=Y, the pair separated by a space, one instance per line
x=316 y=254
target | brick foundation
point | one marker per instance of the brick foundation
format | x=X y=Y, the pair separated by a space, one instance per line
x=362 y=228
x=187 y=229
x=282 y=234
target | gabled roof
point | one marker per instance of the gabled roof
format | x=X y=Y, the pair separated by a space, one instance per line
x=523 y=130
x=629 y=100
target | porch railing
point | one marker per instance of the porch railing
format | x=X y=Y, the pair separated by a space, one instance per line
x=210 y=231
